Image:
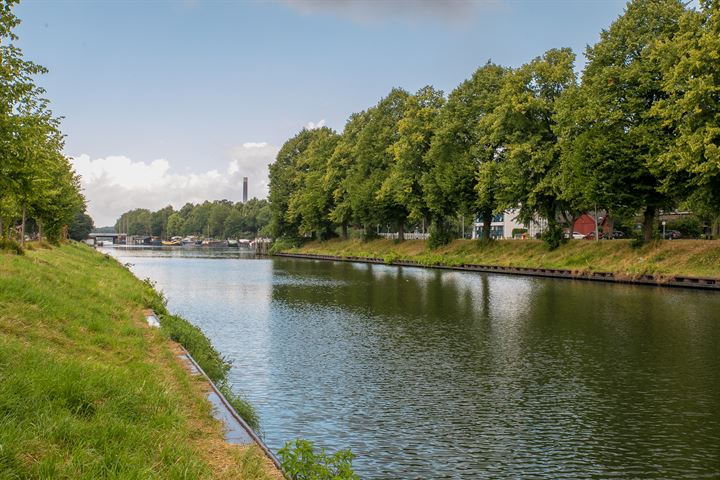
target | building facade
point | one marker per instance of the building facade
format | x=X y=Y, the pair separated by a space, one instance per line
x=503 y=225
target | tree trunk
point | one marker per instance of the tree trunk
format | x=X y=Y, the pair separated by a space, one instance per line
x=610 y=223
x=401 y=231
x=648 y=223
x=487 y=221
x=22 y=228
x=344 y=231
x=716 y=229
x=40 y=233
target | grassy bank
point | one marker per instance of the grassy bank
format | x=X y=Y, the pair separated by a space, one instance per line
x=88 y=391
x=664 y=258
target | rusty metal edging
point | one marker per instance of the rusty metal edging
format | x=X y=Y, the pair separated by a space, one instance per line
x=236 y=416
x=678 y=281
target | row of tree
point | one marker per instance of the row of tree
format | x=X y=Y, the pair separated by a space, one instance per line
x=37 y=184
x=638 y=133
x=218 y=219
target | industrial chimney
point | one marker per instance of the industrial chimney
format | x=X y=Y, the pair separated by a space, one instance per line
x=244 y=189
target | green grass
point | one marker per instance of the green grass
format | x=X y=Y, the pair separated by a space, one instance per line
x=663 y=258
x=88 y=391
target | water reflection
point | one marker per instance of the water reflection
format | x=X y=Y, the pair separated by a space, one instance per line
x=432 y=374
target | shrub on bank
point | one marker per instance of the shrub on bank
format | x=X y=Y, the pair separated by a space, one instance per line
x=11 y=246
x=284 y=243
x=301 y=462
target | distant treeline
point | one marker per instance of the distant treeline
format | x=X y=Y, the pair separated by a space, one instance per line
x=37 y=185
x=638 y=133
x=218 y=219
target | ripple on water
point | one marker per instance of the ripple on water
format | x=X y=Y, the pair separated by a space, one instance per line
x=430 y=374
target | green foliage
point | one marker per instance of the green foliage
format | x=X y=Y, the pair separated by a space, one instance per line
x=309 y=205
x=81 y=226
x=369 y=234
x=690 y=107
x=284 y=181
x=36 y=180
x=198 y=345
x=301 y=462
x=87 y=391
x=284 y=243
x=461 y=171
x=242 y=406
x=639 y=134
x=415 y=130
x=611 y=141
x=530 y=167
x=218 y=219
x=11 y=246
x=689 y=227
x=439 y=234
x=553 y=236
x=390 y=258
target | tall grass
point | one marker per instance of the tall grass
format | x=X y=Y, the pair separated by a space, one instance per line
x=198 y=345
x=677 y=257
x=87 y=391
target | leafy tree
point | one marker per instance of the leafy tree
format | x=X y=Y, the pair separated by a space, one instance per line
x=529 y=169
x=81 y=226
x=235 y=223
x=175 y=224
x=159 y=220
x=310 y=204
x=284 y=181
x=221 y=218
x=218 y=213
x=460 y=178
x=373 y=152
x=337 y=178
x=611 y=140
x=403 y=184
x=690 y=61
x=35 y=178
x=197 y=221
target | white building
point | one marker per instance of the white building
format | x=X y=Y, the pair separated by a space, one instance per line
x=503 y=224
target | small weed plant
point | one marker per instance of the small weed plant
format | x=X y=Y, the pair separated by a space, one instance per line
x=301 y=461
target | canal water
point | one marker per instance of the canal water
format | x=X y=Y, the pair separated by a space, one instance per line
x=429 y=374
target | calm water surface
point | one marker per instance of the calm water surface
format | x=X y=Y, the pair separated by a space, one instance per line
x=428 y=374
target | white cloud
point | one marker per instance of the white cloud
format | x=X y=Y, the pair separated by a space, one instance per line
x=116 y=184
x=313 y=125
x=368 y=11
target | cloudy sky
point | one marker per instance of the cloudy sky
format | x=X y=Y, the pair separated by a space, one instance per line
x=167 y=102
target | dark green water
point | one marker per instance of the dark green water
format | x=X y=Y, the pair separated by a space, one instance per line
x=430 y=374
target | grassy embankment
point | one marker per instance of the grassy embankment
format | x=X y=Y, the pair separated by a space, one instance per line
x=662 y=258
x=87 y=390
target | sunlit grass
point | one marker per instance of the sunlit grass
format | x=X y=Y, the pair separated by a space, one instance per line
x=88 y=391
x=678 y=257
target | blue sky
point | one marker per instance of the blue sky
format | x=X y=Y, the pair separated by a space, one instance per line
x=190 y=95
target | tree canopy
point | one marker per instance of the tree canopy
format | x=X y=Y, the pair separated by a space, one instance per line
x=37 y=184
x=218 y=219
x=636 y=133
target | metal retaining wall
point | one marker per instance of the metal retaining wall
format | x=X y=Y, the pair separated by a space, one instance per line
x=656 y=280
